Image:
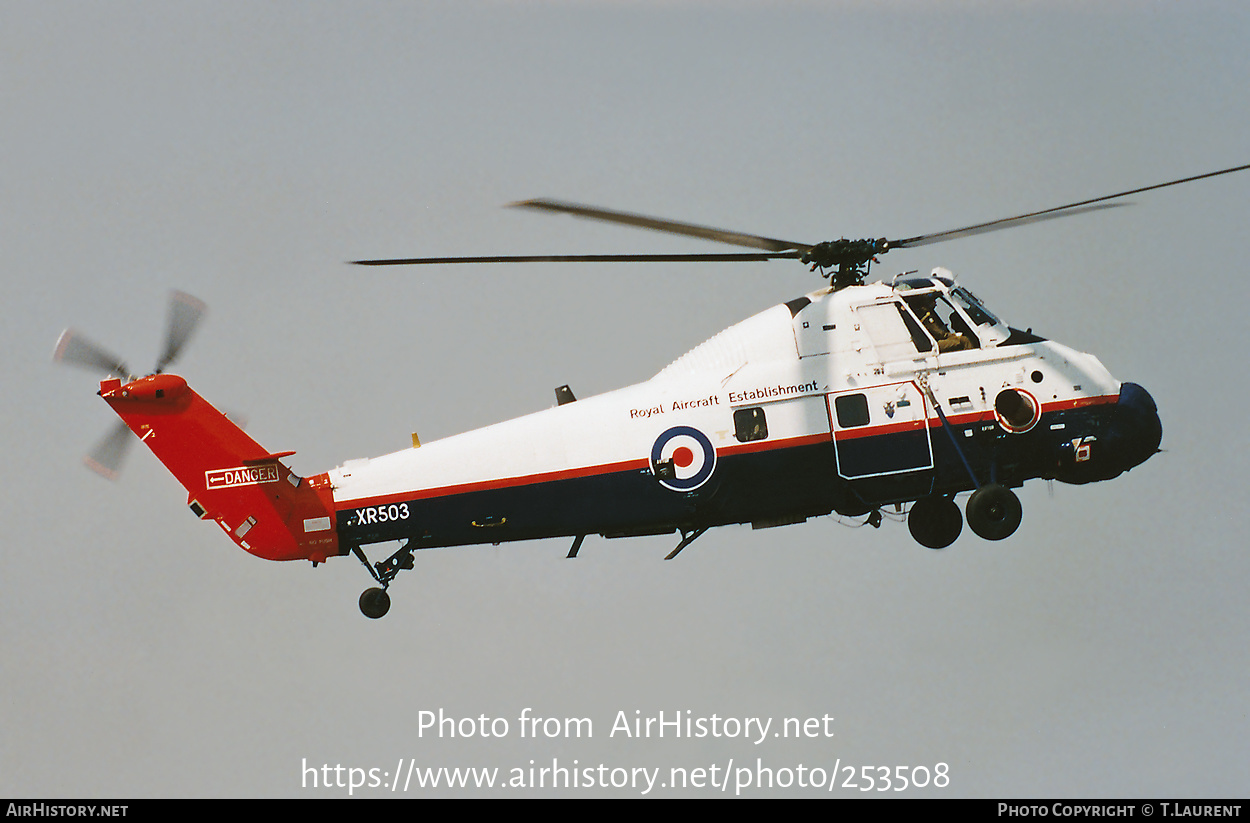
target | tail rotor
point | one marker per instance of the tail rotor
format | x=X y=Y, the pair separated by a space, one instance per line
x=72 y=348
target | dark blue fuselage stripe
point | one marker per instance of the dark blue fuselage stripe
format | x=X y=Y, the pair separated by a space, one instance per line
x=746 y=486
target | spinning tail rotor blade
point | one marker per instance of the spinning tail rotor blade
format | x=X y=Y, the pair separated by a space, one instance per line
x=106 y=458
x=76 y=350
x=185 y=313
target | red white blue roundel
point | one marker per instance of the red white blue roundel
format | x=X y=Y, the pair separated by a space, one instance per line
x=693 y=458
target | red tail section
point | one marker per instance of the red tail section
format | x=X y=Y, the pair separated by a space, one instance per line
x=229 y=477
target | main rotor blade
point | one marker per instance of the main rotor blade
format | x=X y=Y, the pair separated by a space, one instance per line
x=1079 y=207
x=734 y=238
x=996 y=225
x=77 y=350
x=106 y=458
x=185 y=313
x=587 y=258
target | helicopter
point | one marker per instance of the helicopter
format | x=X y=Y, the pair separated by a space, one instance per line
x=851 y=399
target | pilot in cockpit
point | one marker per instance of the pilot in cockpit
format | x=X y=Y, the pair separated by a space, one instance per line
x=947 y=340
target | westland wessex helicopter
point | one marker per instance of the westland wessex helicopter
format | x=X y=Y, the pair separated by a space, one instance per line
x=853 y=398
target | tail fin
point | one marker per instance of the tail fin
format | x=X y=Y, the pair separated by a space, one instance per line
x=264 y=507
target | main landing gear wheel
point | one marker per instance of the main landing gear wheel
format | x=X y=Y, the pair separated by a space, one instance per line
x=935 y=522
x=994 y=512
x=375 y=603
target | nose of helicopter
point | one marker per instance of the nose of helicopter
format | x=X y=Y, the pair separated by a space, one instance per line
x=1136 y=431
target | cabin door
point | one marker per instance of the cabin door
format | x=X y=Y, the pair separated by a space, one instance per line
x=882 y=440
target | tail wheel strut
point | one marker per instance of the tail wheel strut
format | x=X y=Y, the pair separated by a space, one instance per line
x=375 y=602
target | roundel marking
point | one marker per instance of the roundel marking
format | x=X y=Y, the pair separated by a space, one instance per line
x=692 y=456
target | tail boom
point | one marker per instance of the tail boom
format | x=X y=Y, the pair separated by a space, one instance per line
x=263 y=506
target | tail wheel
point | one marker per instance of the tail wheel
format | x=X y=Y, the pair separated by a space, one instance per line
x=935 y=522
x=375 y=603
x=994 y=512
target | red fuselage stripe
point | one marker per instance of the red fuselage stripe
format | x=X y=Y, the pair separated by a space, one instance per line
x=987 y=416
x=744 y=448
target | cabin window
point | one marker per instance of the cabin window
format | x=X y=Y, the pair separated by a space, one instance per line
x=749 y=424
x=886 y=327
x=852 y=410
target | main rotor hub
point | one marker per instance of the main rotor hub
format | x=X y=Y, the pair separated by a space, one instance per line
x=849 y=258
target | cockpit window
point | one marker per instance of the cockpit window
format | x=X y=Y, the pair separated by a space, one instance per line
x=922 y=341
x=943 y=322
x=974 y=307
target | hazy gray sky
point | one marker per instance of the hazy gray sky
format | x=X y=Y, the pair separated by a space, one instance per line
x=243 y=151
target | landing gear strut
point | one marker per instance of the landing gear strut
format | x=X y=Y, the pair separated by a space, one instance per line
x=375 y=602
x=935 y=522
x=993 y=510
